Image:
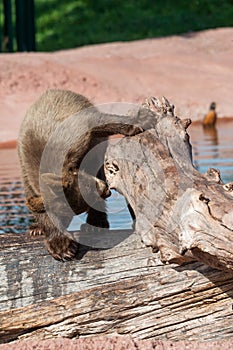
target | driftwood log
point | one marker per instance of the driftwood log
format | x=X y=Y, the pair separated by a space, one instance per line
x=125 y=288
x=179 y=212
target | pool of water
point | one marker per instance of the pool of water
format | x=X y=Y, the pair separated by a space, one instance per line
x=214 y=148
x=210 y=149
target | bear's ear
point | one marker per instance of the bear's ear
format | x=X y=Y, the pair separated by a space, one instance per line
x=52 y=181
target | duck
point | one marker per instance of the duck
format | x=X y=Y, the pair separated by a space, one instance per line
x=211 y=117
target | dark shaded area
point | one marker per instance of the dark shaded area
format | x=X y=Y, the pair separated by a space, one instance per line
x=17 y=25
x=7 y=27
x=25 y=25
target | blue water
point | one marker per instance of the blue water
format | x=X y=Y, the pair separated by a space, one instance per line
x=210 y=149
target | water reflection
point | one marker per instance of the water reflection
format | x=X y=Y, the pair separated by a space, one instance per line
x=206 y=145
x=211 y=134
x=213 y=147
x=14 y=215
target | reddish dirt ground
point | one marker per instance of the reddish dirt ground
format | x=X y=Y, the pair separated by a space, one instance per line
x=191 y=71
x=114 y=343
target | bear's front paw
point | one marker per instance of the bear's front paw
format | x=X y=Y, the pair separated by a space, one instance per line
x=62 y=248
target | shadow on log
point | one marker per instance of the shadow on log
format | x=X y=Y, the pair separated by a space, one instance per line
x=184 y=216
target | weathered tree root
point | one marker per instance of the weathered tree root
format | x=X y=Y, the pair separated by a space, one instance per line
x=180 y=212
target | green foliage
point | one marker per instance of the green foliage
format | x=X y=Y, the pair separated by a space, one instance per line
x=65 y=24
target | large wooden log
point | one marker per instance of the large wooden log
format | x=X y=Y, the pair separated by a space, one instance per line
x=125 y=288
x=122 y=290
x=179 y=212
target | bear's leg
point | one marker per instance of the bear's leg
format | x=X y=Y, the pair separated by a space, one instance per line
x=98 y=217
x=35 y=204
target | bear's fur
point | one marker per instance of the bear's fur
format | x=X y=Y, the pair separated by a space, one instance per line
x=58 y=131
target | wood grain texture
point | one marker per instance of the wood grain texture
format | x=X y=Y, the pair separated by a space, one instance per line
x=123 y=290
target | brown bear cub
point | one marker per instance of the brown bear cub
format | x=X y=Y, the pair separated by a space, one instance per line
x=58 y=132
